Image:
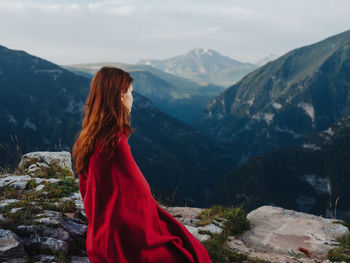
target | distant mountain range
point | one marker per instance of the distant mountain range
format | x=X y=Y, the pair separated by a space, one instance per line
x=41 y=103
x=285 y=101
x=176 y=96
x=309 y=177
x=204 y=66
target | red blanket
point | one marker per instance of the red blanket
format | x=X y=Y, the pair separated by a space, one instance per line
x=125 y=223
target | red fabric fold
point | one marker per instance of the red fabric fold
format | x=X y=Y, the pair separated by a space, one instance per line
x=125 y=223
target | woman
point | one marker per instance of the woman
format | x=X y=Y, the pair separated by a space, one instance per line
x=125 y=223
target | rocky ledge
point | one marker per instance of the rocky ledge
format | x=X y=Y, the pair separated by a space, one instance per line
x=42 y=219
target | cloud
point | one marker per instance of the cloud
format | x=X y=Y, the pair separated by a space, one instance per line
x=26 y=6
x=119 y=7
x=73 y=31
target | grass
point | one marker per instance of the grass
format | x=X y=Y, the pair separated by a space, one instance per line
x=53 y=171
x=25 y=165
x=234 y=222
x=33 y=202
x=234 y=219
x=342 y=252
x=62 y=188
x=220 y=253
x=25 y=216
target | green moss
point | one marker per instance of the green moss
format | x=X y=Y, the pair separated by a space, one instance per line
x=24 y=216
x=9 y=192
x=33 y=202
x=341 y=253
x=31 y=184
x=220 y=253
x=53 y=171
x=235 y=219
x=62 y=188
x=66 y=206
x=235 y=222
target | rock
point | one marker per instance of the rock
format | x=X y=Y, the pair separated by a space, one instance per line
x=52 y=180
x=11 y=247
x=39 y=187
x=32 y=168
x=44 y=159
x=44 y=258
x=281 y=232
x=74 y=228
x=189 y=217
x=79 y=204
x=15 y=260
x=5 y=202
x=49 y=221
x=185 y=215
x=51 y=218
x=208 y=228
x=75 y=259
x=38 y=243
x=25 y=230
x=14 y=210
x=39 y=180
x=194 y=231
x=57 y=233
x=17 y=181
x=211 y=228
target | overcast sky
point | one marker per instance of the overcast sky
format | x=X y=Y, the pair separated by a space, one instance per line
x=68 y=31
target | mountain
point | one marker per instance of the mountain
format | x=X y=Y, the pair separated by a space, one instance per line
x=203 y=66
x=305 y=178
x=285 y=101
x=266 y=59
x=173 y=154
x=176 y=96
x=41 y=103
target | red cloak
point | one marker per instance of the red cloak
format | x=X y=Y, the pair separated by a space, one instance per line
x=125 y=223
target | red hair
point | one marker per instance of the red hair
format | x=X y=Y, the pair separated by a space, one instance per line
x=105 y=115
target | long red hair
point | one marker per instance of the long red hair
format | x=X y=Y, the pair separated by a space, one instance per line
x=105 y=115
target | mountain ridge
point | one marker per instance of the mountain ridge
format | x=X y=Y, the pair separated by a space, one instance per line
x=281 y=103
x=203 y=66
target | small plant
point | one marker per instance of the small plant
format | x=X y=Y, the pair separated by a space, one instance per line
x=294 y=254
x=62 y=188
x=341 y=253
x=54 y=171
x=334 y=212
x=66 y=206
x=235 y=219
x=31 y=184
x=25 y=165
x=9 y=192
x=220 y=253
x=235 y=222
x=18 y=148
x=24 y=216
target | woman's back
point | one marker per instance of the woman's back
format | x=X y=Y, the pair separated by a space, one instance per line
x=125 y=222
